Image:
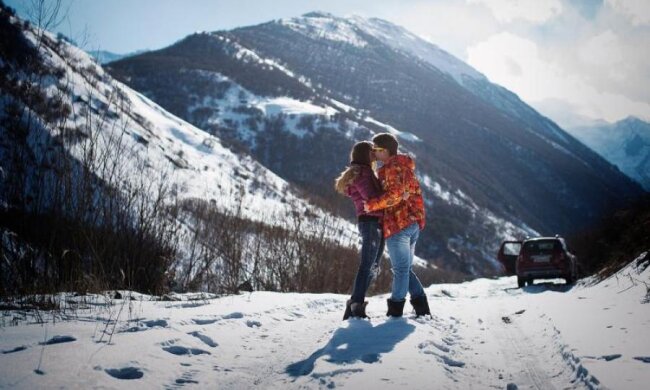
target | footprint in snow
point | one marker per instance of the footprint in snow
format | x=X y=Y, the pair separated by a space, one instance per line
x=59 y=340
x=450 y=362
x=447 y=293
x=233 y=315
x=155 y=323
x=205 y=321
x=187 y=378
x=423 y=346
x=644 y=359
x=212 y=320
x=169 y=346
x=609 y=358
x=253 y=324
x=183 y=381
x=146 y=325
x=125 y=373
x=17 y=349
x=206 y=339
x=180 y=350
x=448 y=341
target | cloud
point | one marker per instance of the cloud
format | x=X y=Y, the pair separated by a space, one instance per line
x=516 y=63
x=565 y=113
x=609 y=51
x=535 y=11
x=513 y=61
x=602 y=50
x=592 y=56
x=451 y=24
x=637 y=10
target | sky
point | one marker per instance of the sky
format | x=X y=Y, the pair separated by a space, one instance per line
x=576 y=61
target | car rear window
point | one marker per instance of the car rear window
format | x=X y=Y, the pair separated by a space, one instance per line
x=542 y=247
x=511 y=248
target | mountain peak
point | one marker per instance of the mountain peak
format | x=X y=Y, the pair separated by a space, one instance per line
x=354 y=30
x=323 y=25
x=318 y=14
x=632 y=120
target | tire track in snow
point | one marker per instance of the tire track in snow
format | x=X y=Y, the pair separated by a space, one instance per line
x=517 y=347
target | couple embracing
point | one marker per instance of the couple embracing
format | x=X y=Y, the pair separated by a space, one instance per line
x=390 y=212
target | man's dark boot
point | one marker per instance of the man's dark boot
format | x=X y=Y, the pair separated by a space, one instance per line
x=395 y=308
x=421 y=306
x=359 y=309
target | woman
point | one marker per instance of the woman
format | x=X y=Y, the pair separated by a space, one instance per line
x=358 y=181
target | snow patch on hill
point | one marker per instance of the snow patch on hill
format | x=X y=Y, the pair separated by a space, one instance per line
x=323 y=25
x=237 y=106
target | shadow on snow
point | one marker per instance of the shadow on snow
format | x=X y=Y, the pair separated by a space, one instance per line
x=358 y=341
x=543 y=287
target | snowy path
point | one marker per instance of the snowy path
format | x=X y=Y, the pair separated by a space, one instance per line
x=484 y=334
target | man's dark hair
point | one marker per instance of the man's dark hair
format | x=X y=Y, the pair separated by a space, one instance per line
x=386 y=141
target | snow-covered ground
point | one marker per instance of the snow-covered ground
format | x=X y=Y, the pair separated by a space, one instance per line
x=484 y=334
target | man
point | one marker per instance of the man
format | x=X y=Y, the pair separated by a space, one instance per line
x=403 y=220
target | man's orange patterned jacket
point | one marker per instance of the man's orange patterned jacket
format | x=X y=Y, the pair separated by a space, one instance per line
x=397 y=176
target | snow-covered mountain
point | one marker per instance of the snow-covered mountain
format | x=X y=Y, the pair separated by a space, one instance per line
x=483 y=334
x=105 y=56
x=297 y=93
x=625 y=144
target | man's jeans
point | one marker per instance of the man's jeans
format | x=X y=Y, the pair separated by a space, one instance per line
x=372 y=248
x=401 y=247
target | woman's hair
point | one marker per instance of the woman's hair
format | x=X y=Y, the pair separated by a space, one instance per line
x=360 y=155
x=386 y=141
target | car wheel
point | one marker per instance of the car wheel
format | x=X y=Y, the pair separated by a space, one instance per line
x=530 y=282
x=521 y=282
x=569 y=279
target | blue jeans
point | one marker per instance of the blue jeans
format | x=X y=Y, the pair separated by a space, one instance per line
x=372 y=248
x=401 y=247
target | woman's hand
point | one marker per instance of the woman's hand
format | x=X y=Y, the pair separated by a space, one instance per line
x=365 y=207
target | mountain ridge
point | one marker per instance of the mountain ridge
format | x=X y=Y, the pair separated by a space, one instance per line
x=476 y=139
x=625 y=143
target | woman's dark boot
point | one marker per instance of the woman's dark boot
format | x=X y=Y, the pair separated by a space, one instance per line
x=348 y=310
x=421 y=306
x=355 y=309
x=395 y=308
x=359 y=309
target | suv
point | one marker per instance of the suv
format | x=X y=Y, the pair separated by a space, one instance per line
x=541 y=257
